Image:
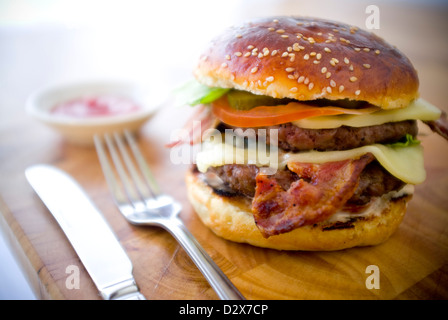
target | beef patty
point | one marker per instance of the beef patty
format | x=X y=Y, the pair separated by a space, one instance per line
x=237 y=179
x=292 y=138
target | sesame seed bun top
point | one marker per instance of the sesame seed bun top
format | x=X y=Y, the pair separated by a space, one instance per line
x=308 y=59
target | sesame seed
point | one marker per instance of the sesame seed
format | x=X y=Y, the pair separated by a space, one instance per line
x=332 y=83
x=254 y=69
x=292 y=57
x=377 y=51
x=238 y=54
x=353 y=79
x=366 y=49
x=224 y=65
x=227 y=57
x=274 y=52
x=247 y=54
x=318 y=56
x=332 y=63
x=271 y=29
x=290 y=76
x=350 y=68
x=316 y=61
x=357 y=49
x=312 y=54
x=301 y=79
x=366 y=65
x=250 y=47
x=306 y=56
x=289 y=69
x=327 y=49
x=311 y=40
x=306 y=81
x=239 y=36
x=280 y=31
x=289 y=49
x=293 y=89
x=357 y=92
x=346 y=60
x=328 y=75
x=275 y=21
x=260 y=55
x=323 y=70
x=341 y=88
x=310 y=86
x=284 y=54
x=285 y=36
x=270 y=79
x=329 y=89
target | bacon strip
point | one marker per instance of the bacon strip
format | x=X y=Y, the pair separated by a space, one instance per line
x=201 y=120
x=439 y=126
x=321 y=191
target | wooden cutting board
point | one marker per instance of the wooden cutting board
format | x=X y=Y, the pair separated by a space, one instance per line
x=411 y=265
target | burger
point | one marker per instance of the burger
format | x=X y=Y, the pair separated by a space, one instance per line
x=308 y=135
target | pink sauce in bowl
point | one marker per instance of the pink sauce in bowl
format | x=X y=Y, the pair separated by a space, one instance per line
x=95 y=106
x=78 y=111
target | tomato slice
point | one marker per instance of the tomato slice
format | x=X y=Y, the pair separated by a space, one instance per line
x=268 y=116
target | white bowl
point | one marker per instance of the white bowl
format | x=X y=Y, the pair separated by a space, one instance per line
x=81 y=130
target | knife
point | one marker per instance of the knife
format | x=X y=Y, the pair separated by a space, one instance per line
x=88 y=232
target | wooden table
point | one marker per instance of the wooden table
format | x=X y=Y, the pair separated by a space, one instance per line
x=413 y=264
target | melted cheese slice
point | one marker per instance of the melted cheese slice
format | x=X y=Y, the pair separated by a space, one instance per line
x=405 y=163
x=418 y=110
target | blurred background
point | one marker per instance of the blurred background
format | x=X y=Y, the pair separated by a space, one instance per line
x=157 y=43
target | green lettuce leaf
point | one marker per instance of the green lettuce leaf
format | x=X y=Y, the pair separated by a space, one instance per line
x=407 y=141
x=193 y=93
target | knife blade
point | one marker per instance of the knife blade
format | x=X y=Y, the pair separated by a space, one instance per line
x=88 y=232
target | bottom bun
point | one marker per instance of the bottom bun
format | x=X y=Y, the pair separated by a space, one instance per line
x=231 y=218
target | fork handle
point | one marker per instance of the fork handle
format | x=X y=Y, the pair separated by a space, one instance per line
x=223 y=287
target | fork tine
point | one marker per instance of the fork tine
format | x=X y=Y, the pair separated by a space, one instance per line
x=142 y=187
x=130 y=188
x=109 y=174
x=144 y=168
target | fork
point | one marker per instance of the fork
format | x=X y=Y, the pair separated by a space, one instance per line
x=139 y=199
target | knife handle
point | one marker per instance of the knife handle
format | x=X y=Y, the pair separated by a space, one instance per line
x=223 y=287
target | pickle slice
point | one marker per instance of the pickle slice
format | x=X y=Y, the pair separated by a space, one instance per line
x=243 y=100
